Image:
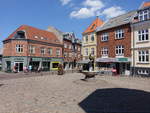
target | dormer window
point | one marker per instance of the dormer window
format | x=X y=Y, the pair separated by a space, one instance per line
x=35 y=36
x=20 y=34
x=144 y=15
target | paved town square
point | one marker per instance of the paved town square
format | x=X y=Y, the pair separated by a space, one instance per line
x=70 y=94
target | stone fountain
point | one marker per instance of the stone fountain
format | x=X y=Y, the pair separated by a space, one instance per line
x=90 y=73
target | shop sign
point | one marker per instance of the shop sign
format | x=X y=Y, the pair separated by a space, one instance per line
x=36 y=59
x=123 y=60
x=18 y=59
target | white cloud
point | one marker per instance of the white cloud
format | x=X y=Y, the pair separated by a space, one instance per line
x=113 y=12
x=82 y=13
x=89 y=9
x=65 y=2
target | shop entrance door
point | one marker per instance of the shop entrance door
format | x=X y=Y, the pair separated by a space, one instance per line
x=19 y=66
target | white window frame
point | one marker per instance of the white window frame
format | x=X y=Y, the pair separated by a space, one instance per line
x=143 y=72
x=86 y=52
x=119 y=34
x=104 y=37
x=119 y=50
x=92 y=38
x=93 y=51
x=104 y=52
x=32 y=49
x=19 y=48
x=50 y=51
x=144 y=15
x=86 y=38
x=65 y=45
x=143 y=35
x=65 y=54
x=143 y=56
x=57 y=52
x=43 y=50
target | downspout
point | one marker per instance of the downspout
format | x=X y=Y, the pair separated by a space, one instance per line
x=133 y=50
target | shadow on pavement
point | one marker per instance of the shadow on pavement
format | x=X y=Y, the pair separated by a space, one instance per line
x=117 y=100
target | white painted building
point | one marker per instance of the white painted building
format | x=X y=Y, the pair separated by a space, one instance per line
x=141 y=42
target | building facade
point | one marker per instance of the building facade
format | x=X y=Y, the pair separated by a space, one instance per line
x=141 y=41
x=71 y=47
x=114 y=44
x=31 y=46
x=72 y=50
x=89 y=39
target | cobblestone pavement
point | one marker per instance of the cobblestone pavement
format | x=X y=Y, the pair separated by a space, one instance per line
x=68 y=93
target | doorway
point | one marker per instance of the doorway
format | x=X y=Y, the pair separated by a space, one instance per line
x=19 y=66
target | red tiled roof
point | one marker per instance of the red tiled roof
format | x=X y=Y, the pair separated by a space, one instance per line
x=146 y=4
x=96 y=23
x=31 y=32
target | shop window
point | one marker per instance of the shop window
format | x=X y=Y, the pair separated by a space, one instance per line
x=19 y=48
x=143 y=35
x=55 y=65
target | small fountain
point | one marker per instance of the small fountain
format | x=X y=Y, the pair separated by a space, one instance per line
x=90 y=73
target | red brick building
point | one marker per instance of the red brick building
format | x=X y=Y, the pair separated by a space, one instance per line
x=72 y=50
x=114 y=44
x=31 y=46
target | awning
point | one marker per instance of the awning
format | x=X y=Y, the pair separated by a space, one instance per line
x=83 y=61
x=106 y=60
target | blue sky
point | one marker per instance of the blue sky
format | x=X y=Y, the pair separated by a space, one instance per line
x=65 y=15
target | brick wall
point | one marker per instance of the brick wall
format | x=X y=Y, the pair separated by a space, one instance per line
x=10 y=49
x=112 y=42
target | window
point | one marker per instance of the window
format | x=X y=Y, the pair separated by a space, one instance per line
x=31 y=49
x=50 y=51
x=104 y=37
x=143 y=35
x=43 y=50
x=65 y=54
x=65 y=45
x=20 y=34
x=143 y=56
x=92 y=38
x=70 y=46
x=70 y=54
x=144 y=15
x=120 y=50
x=119 y=34
x=58 y=52
x=19 y=48
x=92 y=51
x=86 y=39
x=86 y=51
x=35 y=36
x=78 y=48
x=143 y=72
x=104 y=51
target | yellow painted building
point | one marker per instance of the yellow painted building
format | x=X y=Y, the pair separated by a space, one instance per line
x=89 y=39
